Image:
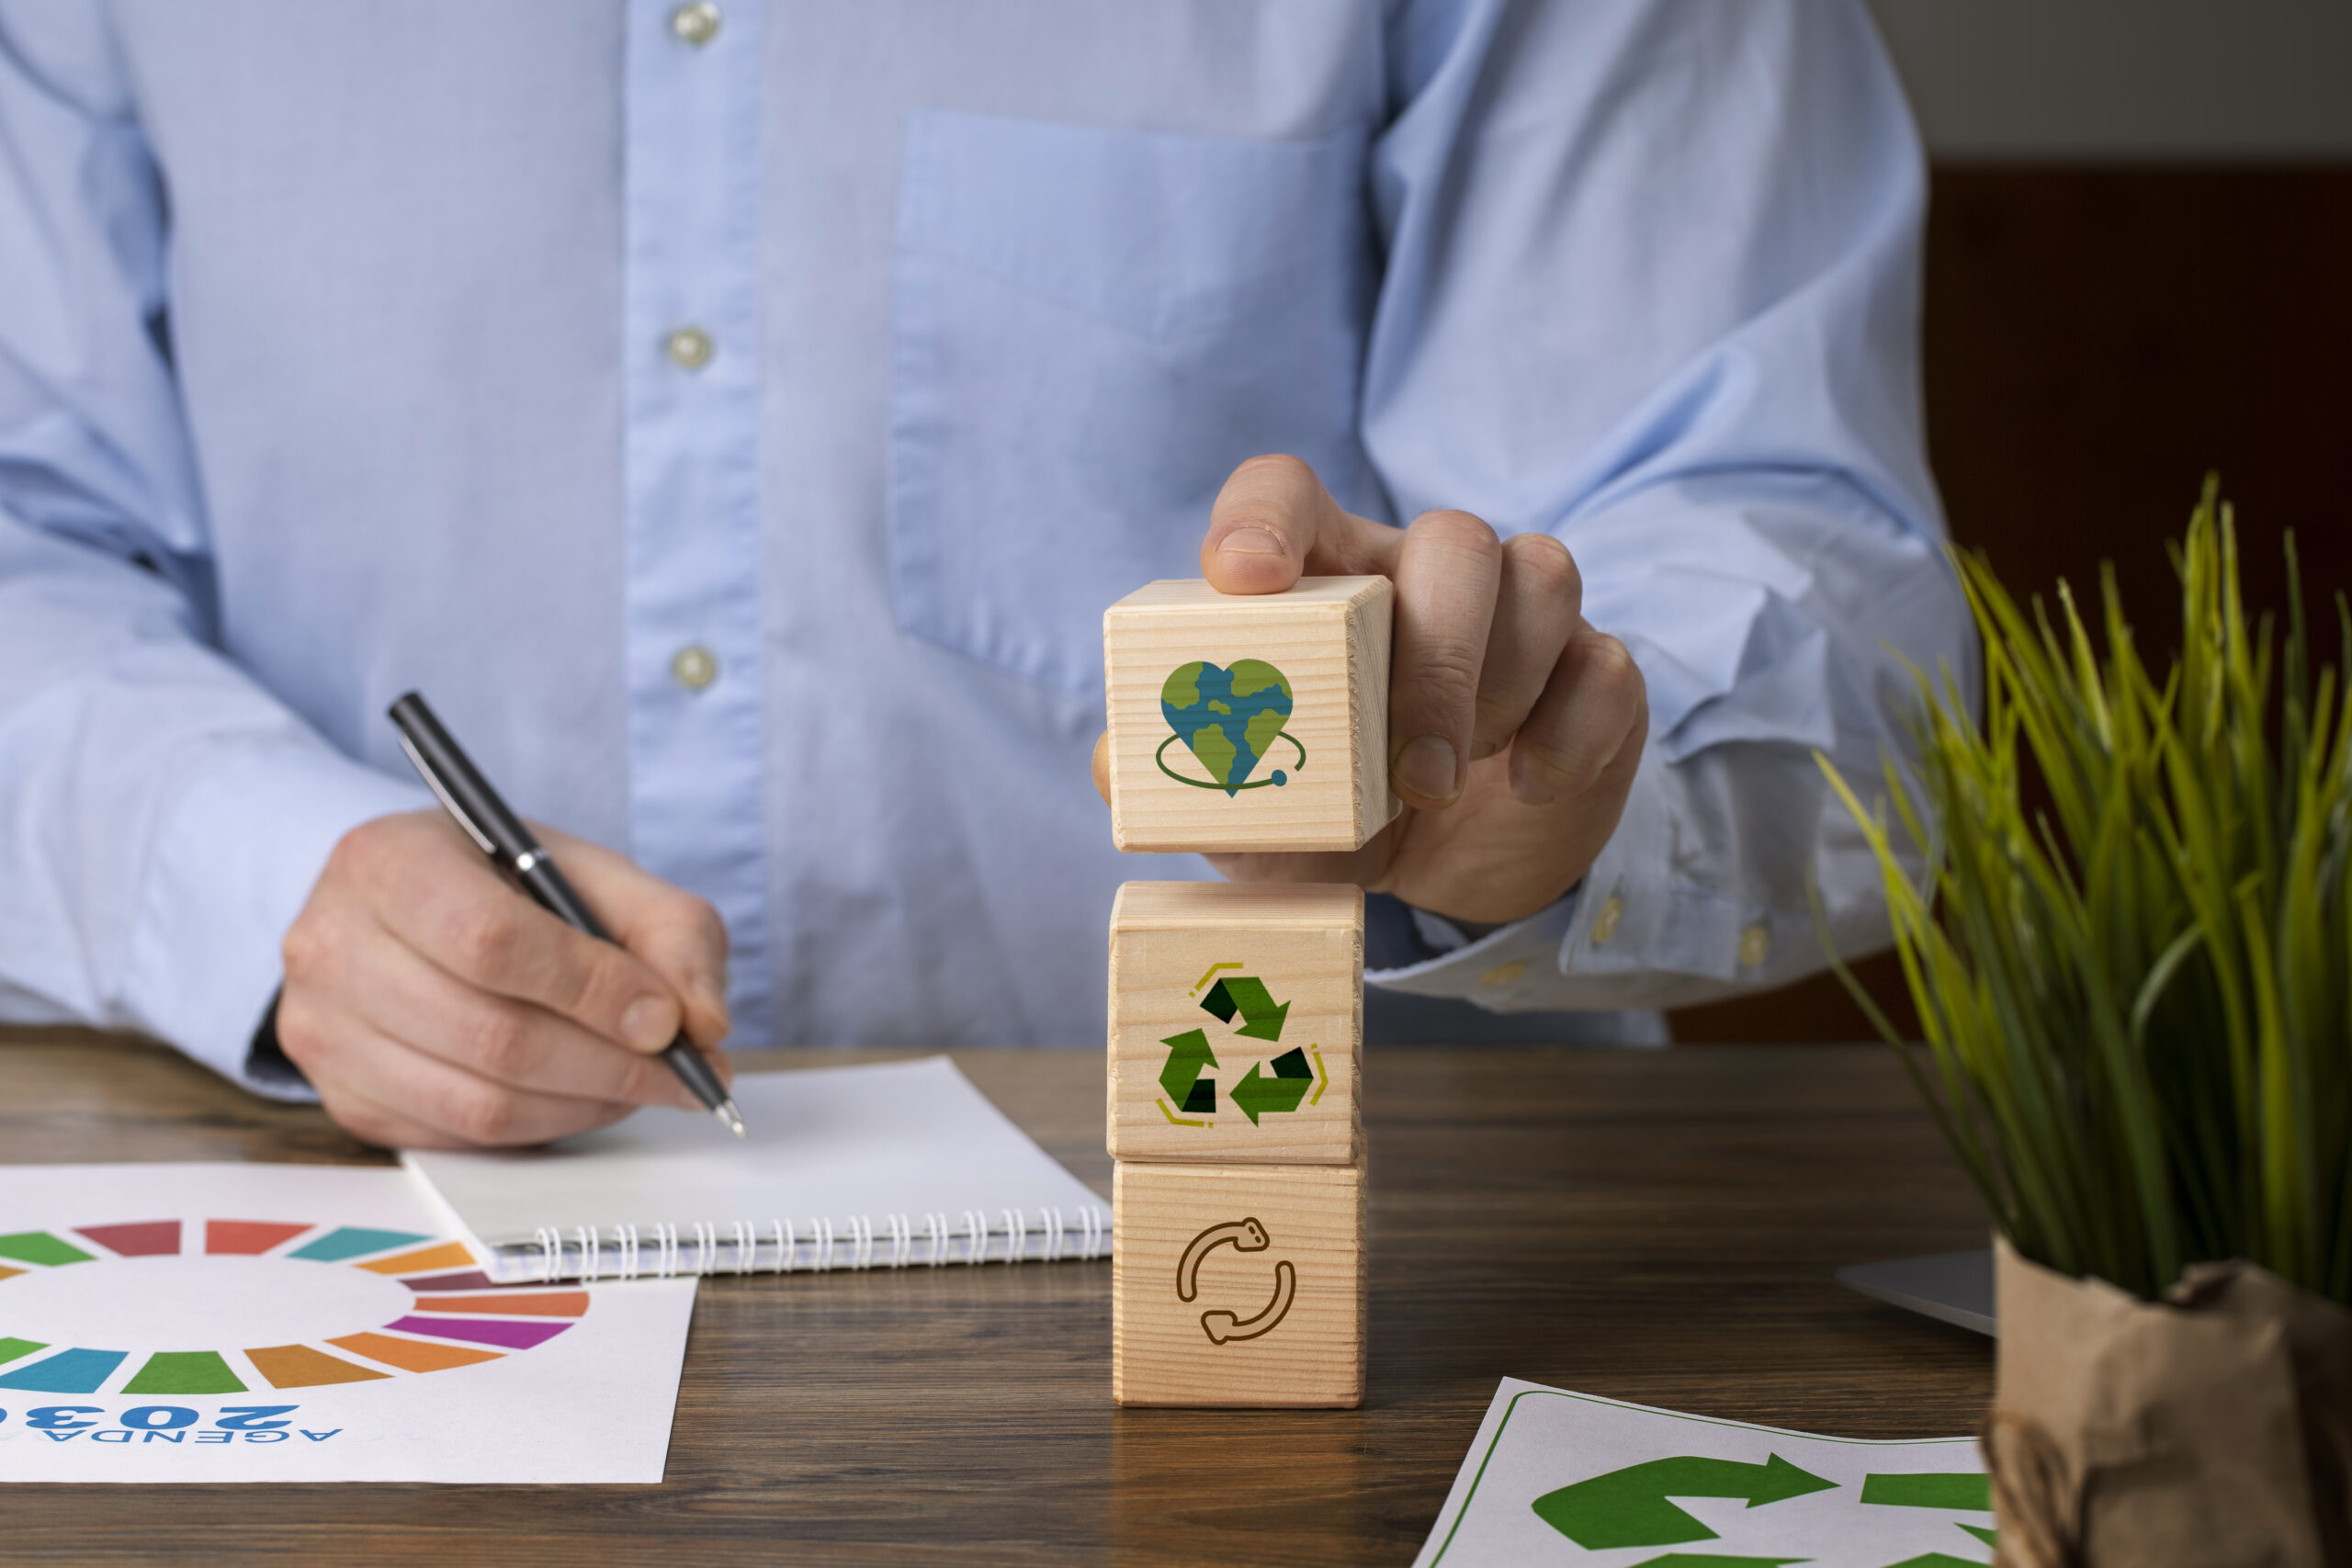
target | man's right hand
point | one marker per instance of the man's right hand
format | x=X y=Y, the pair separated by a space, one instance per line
x=434 y=1004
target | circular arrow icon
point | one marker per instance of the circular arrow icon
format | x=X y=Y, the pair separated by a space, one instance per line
x=1243 y=1236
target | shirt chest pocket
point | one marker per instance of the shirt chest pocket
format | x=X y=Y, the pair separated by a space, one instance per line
x=1090 y=328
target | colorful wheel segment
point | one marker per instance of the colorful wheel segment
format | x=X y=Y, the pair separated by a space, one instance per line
x=460 y=1317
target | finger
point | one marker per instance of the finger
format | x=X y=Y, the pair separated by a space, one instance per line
x=1102 y=766
x=482 y=1036
x=1535 y=613
x=1446 y=580
x=513 y=1043
x=494 y=937
x=388 y=1127
x=1363 y=866
x=1592 y=718
x=377 y=1124
x=1274 y=522
x=410 y=1090
x=678 y=934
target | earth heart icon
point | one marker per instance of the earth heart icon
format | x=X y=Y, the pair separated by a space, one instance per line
x=1230 y=720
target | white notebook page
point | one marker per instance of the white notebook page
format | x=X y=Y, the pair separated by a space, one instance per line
x=889 y=1153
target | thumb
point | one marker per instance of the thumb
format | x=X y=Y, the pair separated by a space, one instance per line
x=1266 y=523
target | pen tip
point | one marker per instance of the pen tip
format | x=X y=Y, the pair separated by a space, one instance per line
x=733 y=1117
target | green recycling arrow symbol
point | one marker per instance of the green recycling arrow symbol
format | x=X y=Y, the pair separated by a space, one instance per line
x=1280 y=1086
x=1247 y=995
x=1188 y=1053
x=1629 y=1506
x=1254 y=1096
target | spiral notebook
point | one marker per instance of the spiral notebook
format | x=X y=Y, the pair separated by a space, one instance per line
x=871 y=1167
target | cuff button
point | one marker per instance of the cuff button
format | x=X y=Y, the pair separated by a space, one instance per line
x=1604 y=924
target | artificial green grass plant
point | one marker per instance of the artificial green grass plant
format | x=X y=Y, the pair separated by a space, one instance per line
x=2138 y=1003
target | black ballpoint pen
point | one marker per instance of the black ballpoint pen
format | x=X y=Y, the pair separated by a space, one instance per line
x=486 y=820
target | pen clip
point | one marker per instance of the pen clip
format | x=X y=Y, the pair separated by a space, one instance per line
x=434 y=785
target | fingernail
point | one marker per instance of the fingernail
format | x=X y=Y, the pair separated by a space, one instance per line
x=1249 y=542
x=648 y=1024
x=1528 y=792
x=1427 y=767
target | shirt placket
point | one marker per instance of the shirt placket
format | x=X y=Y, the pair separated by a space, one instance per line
x=691 y=368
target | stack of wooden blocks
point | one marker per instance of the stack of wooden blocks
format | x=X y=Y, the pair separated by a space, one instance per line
x=1237 y=1009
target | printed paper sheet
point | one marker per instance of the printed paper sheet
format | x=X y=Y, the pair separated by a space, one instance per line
x=1570 y=1479
x=288 y=1323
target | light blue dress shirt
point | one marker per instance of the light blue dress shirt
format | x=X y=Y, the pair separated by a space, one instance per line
x=738 y=434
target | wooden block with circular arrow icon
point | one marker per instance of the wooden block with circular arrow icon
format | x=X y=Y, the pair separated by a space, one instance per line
x=1249 y=722
x=1238 y=1287
x=1237 y=1023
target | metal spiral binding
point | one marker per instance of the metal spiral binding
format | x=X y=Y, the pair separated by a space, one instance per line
x=783 y=1247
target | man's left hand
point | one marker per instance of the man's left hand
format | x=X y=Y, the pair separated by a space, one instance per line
x=1514 y=727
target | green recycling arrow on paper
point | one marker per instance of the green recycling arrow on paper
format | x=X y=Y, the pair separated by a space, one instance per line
x=1968 y=1490
x=1629 y=1506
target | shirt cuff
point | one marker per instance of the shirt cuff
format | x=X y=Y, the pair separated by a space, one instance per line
x=232 y=865
x=1652 y=933
x=1493 y=970
x=1630 y=935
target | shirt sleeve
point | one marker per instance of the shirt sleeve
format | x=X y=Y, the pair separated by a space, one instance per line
x=162 y=819
x=1653 y=286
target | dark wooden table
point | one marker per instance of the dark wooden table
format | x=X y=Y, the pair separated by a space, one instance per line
x=1658 y=1226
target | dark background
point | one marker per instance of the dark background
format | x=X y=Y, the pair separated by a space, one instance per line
x=2097 y=340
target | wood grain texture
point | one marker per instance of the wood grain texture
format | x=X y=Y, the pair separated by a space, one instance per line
x=1238 y=1286
x=1659 y=1227
x=1171 y=942
x=1329 y=637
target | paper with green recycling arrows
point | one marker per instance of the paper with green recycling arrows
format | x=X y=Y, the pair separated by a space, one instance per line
x=1571 y=1479
x=1277 y=1085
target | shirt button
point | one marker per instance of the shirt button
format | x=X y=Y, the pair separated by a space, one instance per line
x=692 y=667
x=1604 y=924
x=1503 y=973
x=688 y=347
x=1754 y=944
x=696 y=24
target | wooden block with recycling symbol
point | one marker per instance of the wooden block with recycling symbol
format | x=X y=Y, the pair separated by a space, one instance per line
x=1237 y=1023
x=1239 y=1286
x=1249 y=722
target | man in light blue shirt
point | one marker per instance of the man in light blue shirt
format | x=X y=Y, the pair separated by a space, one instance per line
x=735 y=417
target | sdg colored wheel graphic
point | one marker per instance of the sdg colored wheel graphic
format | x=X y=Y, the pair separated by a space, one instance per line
x=224 y=1306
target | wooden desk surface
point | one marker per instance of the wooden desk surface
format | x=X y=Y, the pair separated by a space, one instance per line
x=1659 y=1227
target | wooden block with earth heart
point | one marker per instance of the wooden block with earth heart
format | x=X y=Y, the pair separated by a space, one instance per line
x=1237 y=1023
x=1249 y=722
x=1238 y=1286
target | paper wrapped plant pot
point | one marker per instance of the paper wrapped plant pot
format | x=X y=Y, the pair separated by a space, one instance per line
x=2126 y=939
x=2213 y=1430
